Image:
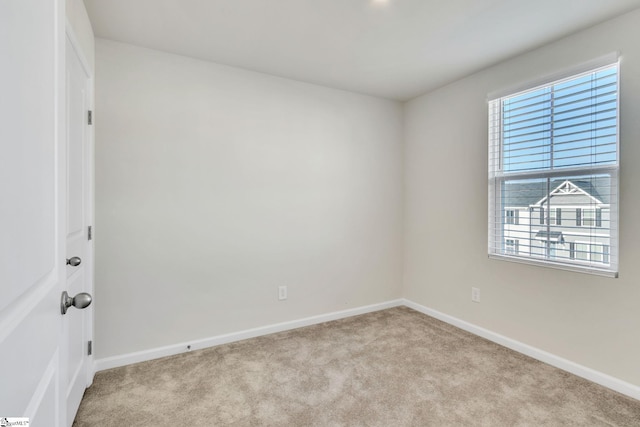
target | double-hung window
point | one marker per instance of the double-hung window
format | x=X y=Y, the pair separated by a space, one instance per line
x=554 y=159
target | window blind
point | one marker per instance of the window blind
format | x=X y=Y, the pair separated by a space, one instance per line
x=553 y=165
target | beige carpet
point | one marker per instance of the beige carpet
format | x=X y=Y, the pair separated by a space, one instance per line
x=395 y=367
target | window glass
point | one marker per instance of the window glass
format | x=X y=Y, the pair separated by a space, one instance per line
x=553 y=173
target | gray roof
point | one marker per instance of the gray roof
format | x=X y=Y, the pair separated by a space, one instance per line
x=526 y=193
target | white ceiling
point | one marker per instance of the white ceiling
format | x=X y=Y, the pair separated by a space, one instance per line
x=396 y=49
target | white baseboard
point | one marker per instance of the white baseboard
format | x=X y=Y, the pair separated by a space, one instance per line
x=597 y=377
x=170 y=350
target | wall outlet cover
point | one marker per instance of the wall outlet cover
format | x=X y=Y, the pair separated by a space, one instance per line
x=475 y=294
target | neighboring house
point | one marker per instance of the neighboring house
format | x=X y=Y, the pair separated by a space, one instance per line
x=559 y=219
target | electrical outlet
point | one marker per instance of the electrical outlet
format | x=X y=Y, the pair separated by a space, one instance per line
x=475 y=294
x=282 y=293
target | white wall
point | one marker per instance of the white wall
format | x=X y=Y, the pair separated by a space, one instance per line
x=78 y=18
x=591 y=320
x=216 y=185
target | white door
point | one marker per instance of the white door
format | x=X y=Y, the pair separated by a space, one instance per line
x=32 y=213
x=77 y=323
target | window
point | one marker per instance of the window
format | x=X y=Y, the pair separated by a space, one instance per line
x=596 y=253
x=582 y=251
x=555 y=217
x=553 y=170
x=558 y=217
x=512 y=246
x=588 y=217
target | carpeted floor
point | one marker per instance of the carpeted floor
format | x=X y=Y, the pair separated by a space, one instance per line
x=395 y=367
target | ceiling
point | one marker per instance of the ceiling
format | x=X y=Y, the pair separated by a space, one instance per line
x=395 y=49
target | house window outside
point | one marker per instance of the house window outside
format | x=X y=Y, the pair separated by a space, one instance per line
x=582 y=251
x=555 y=216
x=512 y=246
x=588 y=217
x=595 y=253
x=557 y=144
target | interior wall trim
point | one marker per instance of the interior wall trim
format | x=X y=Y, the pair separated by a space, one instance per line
x=170 y=350
x=592 y=375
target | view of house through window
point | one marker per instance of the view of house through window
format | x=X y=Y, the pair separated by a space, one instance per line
x=553 y=173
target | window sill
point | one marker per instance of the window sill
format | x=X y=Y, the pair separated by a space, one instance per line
x=557 y=266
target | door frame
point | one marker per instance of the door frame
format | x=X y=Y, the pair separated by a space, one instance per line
x=88 y=259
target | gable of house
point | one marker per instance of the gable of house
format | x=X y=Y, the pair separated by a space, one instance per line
x=566 y=192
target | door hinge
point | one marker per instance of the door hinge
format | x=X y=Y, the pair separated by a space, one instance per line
x=89 y=348
x=89 y=233
x=90 y=117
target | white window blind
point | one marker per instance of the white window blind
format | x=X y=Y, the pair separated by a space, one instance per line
x=554 y=159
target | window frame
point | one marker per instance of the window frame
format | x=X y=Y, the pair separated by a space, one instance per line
x=499 y=178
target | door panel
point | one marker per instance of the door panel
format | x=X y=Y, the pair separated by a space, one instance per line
x=29 y=348
x=27 y=172
x=32 y=213
x=47 y=403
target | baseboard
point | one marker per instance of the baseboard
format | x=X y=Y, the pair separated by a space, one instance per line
x=170 y=350
x=597 y=377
